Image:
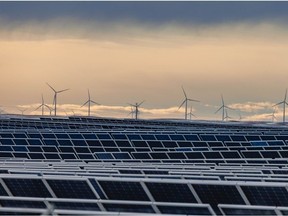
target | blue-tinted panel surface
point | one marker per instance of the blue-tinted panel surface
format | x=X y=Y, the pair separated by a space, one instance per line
x=243 y=211
x=23 y=204
x=117 y=190
x=71 y=189
x=270 y=196
x=27 y=187
x=166 y=192
x=129 y=208
x=183 y=210
x=218 y=194
x=76 y=206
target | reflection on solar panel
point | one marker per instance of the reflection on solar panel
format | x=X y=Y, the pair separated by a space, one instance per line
x=81 y=165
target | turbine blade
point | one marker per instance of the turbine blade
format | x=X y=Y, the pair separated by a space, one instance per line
x=39 y=107
x=182 y=104
x=88 y=94
x=222 y=99
x=184 y=92
x=51 y=87
x=62 y=90
x=42 y=99
x=285 y=95
x=84 y=104
x=219 y=109
x=94 y=102
x=141 y=103
x=131 y=105
x=193 y=100
x=278 y=103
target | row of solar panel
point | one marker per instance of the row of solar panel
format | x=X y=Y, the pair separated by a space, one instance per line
x=93 y=153
x=147 y=136
x=207 y=193
x=64 y=208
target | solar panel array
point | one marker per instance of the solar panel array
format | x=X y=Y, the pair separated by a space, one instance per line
x=81 y=165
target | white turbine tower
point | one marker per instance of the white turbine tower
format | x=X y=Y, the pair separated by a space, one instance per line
x=223 y=107
x=55 y=97
x=227 y=117
x=186 y=102
x=22 y=111
x=89 y=101
x=136 y=106
x=42 y=105
x=132 y=112
x=273 y=115
x=191 y=113
x=284 y=102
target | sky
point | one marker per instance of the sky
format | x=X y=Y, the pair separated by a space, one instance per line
x=127 y=52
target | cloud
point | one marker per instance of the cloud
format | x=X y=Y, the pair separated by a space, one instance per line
x=252 y=106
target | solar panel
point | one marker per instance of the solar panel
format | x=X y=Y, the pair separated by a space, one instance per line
x=74 y=189
x=75 y=205
x=247 y=211
x=268 y=196
x=168 y=192
x=128 y=208
x=218 y=194
x=22 y=204
x=27 y=187
x=183 y=210
x=118 y=190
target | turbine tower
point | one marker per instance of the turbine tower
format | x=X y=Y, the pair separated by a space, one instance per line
x=55 y=97
x=136 y=106
x=22 y=111
x=284 y=102
x=132 y=112
x=186 y=102
x=191 y=113
x=227 y=117
x=273 y=116
x=89 y=101
x=223 y=107
x=42 y=105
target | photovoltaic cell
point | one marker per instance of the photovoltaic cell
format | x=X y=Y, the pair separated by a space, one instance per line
x=218 y=194
x=168 y=192
x=76 y=206
x=71 y=189
x=244 y=211
x=27 y=187
x=23 y=204
x=118 y=190
x=268 y=196
x=183 y=210
x=128 y=208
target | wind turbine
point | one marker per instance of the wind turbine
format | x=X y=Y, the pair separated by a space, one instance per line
x=89 y=101
x=191 y=113
x=273 y=115
x=136 y=106
x=132 y=112
x=227 y=117
x=186 y=102
x=284 y=102
x=223 y=107
x=22 y=111
x=42 y=106
x=55 y=97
